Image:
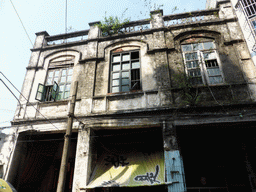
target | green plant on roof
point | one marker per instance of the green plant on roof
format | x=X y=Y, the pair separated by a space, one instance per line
x=112 y=24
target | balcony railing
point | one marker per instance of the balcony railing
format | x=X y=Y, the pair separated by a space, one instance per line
x=136 y=26
x=191 y=17
x=67 y=38
x=141 y=25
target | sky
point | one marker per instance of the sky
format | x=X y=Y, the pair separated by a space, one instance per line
x=49 y=15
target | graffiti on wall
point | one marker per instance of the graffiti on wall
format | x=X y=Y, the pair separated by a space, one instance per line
x=110 y=184
x=149 y=177
x=116 y=160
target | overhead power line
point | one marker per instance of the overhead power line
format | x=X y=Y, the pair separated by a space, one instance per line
x=21 y=22
x=25 y=99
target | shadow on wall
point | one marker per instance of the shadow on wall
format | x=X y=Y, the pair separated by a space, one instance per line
x=3 y=139
x=233 y=90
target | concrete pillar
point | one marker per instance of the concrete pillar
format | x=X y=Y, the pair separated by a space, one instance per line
x=173 y=160
x=40 y=39
x=83 y=158
x=94 y=31
x=156 y=19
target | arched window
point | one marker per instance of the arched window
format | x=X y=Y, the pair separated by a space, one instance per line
x=58 y=80
x=202 y=62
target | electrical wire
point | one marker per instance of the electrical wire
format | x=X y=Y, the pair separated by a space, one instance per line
x=28 y=101
x=21 y=22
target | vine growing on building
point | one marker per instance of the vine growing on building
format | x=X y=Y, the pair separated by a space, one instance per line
x=190 y=92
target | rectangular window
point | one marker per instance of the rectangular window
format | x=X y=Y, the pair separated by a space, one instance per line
x=201 y=63
x=125 y=72
x=249 y=7
x=57 y=86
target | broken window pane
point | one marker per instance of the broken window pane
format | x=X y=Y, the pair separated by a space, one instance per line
x=135 y=74
x=135 y=55
x=211 y=63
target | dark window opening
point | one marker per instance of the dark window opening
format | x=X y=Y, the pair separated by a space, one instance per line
x=211 y=63
x=135 y=79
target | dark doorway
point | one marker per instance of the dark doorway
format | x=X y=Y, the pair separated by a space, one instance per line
x=37 y=162
x=218 y=157
x=146 y=140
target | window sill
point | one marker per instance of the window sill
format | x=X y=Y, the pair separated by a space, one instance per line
x=122 y=94
x=61 y=102
x=137 y=92
x=211 y=86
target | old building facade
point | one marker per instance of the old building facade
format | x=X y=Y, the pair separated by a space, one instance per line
x=245 y=11
x=166 y=104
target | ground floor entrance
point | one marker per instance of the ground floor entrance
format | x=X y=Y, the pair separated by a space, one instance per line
x=219 y=157
x=36 y=162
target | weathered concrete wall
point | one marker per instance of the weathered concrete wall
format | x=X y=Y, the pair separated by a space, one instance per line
x=160 y=58
x=7 y=146
x=162 y=73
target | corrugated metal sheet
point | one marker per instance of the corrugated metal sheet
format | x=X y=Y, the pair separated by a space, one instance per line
x=175 y=175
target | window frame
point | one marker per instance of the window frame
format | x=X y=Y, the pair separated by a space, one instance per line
x=51 y=90
x=205 y=76
x=249 y=10
x=136 y=72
